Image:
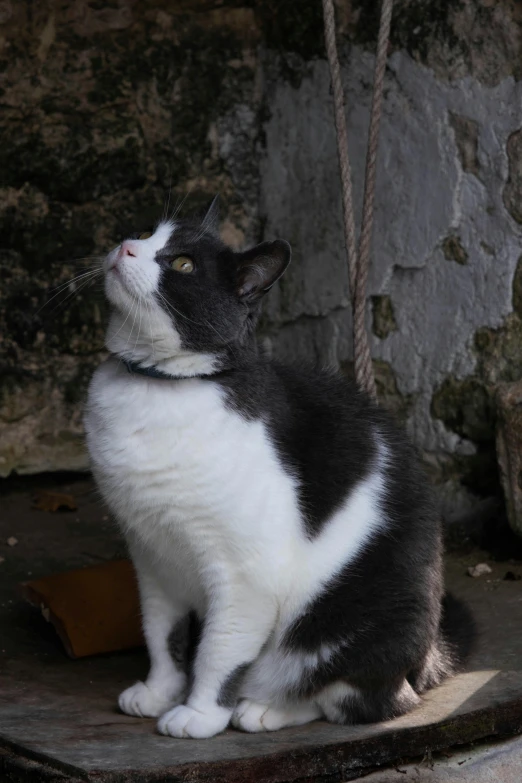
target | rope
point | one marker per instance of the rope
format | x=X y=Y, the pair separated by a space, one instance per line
x=358 y=261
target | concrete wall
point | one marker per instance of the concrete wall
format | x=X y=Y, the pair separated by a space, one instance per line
x=106 y=105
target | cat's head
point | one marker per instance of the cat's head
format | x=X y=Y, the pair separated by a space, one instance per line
x=184 y=301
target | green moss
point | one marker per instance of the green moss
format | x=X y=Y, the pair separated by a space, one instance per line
x=517 y=289
x=388 y=392
x=466 y=137
x=499 y=351
x=453 y=250
x=467 y=408
x=477 y=472
x=512 y=195
x=383 y=316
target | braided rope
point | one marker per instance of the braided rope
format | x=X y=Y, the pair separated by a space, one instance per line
x=358 y=262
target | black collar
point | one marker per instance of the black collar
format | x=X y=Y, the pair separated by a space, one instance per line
x=153 y=372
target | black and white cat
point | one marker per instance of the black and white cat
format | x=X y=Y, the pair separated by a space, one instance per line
x=276 y=506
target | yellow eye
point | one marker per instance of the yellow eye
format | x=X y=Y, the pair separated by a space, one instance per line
x=146 y=235
x=182 y=264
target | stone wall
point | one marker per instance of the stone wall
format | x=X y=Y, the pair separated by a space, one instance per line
x=109 y=106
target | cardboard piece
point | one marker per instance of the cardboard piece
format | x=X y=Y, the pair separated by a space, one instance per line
x=94 y=609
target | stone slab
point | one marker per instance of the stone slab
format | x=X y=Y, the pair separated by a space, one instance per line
x=81 y=734
x=58 y=719
x=495 y=762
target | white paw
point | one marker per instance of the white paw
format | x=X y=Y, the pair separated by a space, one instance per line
x=187 y=722
x=144 y=702
x=249 y=716
x=253 y=717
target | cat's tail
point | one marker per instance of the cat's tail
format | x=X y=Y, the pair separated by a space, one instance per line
x=458 y=631
x=450 y=652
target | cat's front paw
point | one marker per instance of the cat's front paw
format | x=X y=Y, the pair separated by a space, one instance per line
x=248 y=716
x=186 y=722
x=253 y=717
x=142 y=701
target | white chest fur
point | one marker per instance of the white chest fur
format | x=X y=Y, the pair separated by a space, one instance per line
x=204 y=492
x=191 y=479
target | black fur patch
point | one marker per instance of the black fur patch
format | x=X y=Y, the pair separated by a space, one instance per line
x=229 y=691
x=376 y=705
x=183 y=642
x=320 y=426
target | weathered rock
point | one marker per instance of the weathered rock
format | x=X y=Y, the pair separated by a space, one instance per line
x=453 y=250
x=509 y=449
x=513 y=189
x=106 y=108
x=383 y=316
x=109 y=115
x=466 y=136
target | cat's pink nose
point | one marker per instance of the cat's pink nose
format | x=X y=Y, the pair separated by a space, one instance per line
x=128 y=248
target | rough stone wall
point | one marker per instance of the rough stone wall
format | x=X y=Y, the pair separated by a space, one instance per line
x=106 y=104
x=108 y=110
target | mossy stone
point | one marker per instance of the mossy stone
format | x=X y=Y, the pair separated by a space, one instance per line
x=453 y=250
x=517 y=289
x=383 y=316
x=467 y=408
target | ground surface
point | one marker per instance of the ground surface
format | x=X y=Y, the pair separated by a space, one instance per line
x=58 y=719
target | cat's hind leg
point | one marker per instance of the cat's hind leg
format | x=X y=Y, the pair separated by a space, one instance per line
x=343 y=703
x=338 y=702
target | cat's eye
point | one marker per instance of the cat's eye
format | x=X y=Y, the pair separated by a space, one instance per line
x=145 y=235
x=182 y=264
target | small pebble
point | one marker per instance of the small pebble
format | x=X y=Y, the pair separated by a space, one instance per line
x=12 y=541
x=105 y=518
x=2 y=559
x=479 y=570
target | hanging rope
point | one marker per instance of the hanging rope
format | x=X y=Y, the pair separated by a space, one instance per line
x=358 y=261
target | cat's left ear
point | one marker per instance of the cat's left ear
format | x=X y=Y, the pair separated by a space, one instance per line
x=260 y=267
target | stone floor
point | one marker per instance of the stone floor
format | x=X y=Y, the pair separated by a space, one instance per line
x=58 y=720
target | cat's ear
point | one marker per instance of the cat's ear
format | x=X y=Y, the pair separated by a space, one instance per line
x=211 y=219
x=260 y=267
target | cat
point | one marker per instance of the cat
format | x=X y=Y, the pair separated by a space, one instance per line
x=286 y=546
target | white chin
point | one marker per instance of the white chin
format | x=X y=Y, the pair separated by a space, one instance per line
x=117 y=293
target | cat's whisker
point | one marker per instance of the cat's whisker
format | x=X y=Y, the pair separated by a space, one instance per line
x=181 y=204
x=131 y=332
x=126 y=318
x=139 y=329
x=92 y=273
x=75 y=279
x=71 y=295
x=149 y=313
